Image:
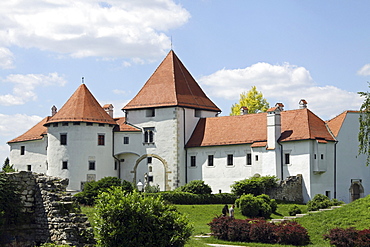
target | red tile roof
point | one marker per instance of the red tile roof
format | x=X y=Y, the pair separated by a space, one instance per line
x=82 y=107
x=123 y=126
x=35 y=133
x=336 y=123
x=299 y=124
x=171 y=85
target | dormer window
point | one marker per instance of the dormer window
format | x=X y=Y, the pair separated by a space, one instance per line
x=150 y=112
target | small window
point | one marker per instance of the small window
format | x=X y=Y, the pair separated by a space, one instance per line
x=115 y=165
x=322 y=156
x=249 y=159
x=101 y=125
x=150 y=112
x=89 y=124
x=63 y=139
x=65 y=165
x=314 y=156
x=210 y=160
x=256 y=157
x=148 y=135
x=327 y=193
x=149 y=160
x=150 y=169
x=126 y=140
x=197 y=113
x=287 y=158
x=150 y=178
x=91 y=165
x=23 y=150
x=64 y=124
x=101 y=139
x=55 y=124
x=193 y=161
x=76 y=123
x=29 y=168
x=230 y=159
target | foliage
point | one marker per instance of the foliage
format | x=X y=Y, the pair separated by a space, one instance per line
x=137 y=220
x=195 y=187
x=364 y=132
x=253 y=100
x=10 y=202
x=258 y=230
x=256 y=206
x=320 y=202
x=349 y=237
x=254 y=185
x=7 y=167
x=186 y=198
x=152 y=188
x=93 y=188
x=294 y=210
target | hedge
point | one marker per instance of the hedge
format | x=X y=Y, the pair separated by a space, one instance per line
x=187 y=198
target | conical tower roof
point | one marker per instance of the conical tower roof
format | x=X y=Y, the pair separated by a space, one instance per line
x=171 y=85
x=82 y=107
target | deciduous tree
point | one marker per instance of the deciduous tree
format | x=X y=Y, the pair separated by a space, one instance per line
x=364 y=133
x=253 y=100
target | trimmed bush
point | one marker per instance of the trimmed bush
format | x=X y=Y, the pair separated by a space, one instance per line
x=256 y=206
x=262 y=231
x=320 y=202
x=294 y=210
x=195 y=187
x=349 y=237
x=186 y=198
x=290 y=232
x=137 y=220
x=254 y=185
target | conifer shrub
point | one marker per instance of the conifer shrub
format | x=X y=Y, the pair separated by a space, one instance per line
x=294 y=210
x=321 y=202
x=137 y=220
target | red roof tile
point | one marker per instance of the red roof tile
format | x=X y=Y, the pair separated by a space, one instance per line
x=123 y=126
x=171 y=85
x=299 y=124
x=82 y=107
x=35 y=133
x=335 y=124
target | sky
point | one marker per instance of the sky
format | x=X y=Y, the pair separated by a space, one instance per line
x=290 y=50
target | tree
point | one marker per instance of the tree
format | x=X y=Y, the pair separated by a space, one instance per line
x=364 y=133
x=253 y=100
x=196 y=187
x=7 y=167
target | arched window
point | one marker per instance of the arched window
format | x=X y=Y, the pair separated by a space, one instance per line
x=148 y=135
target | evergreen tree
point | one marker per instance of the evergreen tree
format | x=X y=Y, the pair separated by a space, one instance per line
x=7 y=167
x=253 y=100
x=364 y=133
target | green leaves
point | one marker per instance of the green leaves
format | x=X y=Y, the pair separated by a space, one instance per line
x=364 y=132
x=253 y=100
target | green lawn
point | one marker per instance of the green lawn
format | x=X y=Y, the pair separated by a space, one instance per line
x=356 y=214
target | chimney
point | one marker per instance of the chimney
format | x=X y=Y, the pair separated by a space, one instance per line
x=274 y=125
x=108 y=108
x=302 y=104
x=243 y=110
x=53 y=110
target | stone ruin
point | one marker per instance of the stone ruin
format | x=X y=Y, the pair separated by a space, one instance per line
x=51 y=215
x=289 y=189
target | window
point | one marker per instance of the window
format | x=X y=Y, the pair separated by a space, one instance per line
x=64 y=124
x=29 y=168
x=150 y=169
x=65 y=165
x=115 y=165
x=230 y=159
x=91 y=165
x=55 y=124
x=287 y=158
x=149 y=160
x=322 y=156
x=197 y=113
x=126 y=140
x=101 y=139
x=101 y=125
x=314 y=156
x=76 y=123
x=63 y=139
x=89 y=124
x=193 y=161
x=150 y=178
x=148 y=135
x=256 y=157
x=150 y=112
x=23 y=150
x=249 y=159
x=210 y=160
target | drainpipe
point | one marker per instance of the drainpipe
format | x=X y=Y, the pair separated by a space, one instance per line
x=186 y=150
x=115 y=158
x=335 y=169
x=281 y=161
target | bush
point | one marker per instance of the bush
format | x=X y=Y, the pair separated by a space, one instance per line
x=320 y=202
x=137 y=220
x=195 y=187
x=186 y=198
x=258 y=230
x=294 y=210
x=349 y=237
x=254 y=185
x=256 y=206
x=10 y=202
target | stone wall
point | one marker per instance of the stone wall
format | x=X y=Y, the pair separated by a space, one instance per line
x=49 y=214
x=289 y=190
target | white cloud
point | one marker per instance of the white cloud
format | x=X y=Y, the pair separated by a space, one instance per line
x=365 y=70
x=281 y=83
x=6 y=58
x=25 y=85
x=82 y=28
x=12 y=126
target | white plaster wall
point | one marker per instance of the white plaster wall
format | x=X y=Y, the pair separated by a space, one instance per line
x=35 y=155
x=350 y=165
x=82 y=146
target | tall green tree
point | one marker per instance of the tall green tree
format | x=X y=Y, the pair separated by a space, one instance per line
x=364 y=133
x=253 y=100
x=7 y=167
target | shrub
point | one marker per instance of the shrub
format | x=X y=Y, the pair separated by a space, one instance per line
x=186 y=198
x=254 y=185
x=294 y=210
x=290 y=232
x=10 y=202
x=349 y=237
x=195 y=187
x=137 y=220
x=263 y=232
x=320 y=202
x=256 y=206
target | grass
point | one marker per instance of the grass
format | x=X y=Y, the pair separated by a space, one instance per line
x=356 y=214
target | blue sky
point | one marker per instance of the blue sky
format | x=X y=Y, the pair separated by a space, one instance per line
x=315 y=50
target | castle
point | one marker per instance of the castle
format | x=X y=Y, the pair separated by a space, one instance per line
x=171 y=134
